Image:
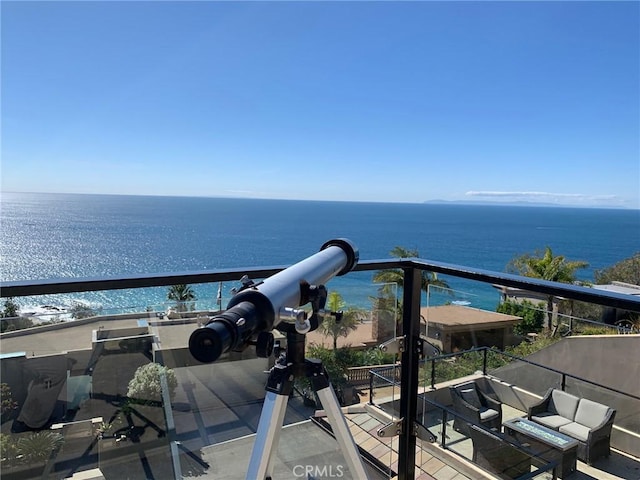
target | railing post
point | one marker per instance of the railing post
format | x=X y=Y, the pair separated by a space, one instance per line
x=433 y=374
x=371 y=387
x=445 y=418
x=484 y=362
x=409 y=372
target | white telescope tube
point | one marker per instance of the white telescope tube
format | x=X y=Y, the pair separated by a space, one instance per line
x=256 y=308
x=336 y=257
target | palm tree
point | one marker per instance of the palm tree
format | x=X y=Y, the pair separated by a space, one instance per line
x=38 y=446
x=396 y=275
x=181 y=294
x=349 y=322
x=546 y=266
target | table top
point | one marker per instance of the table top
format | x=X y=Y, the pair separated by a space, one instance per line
x=541 y=433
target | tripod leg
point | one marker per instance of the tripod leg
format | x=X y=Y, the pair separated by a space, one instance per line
x=331 y=406
x=268 y=435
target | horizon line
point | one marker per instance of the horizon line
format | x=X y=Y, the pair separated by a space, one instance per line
x=462 y=202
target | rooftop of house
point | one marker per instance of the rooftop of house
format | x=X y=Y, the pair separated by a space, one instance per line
x=620 y=287
x=459 y=315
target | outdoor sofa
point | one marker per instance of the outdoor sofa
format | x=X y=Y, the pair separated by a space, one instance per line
x=587 y=421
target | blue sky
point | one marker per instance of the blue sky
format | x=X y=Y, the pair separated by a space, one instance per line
x=363 y=101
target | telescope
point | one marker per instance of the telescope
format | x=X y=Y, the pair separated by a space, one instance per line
x=260 y=307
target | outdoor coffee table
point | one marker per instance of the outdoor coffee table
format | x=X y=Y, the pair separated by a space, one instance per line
x=550 y=445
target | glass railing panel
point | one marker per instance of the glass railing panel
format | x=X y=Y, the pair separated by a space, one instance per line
x=567 y=325
x=85 y=371
x=54 y=307
x=626 y=406
x=456 y=366
x=385 y=378
x=489 y=449
x=440 y=318
x=54 y=313
x=51 y=337
x=523 y=376
x=132 y=395
x=95 y=370
x=218 y=410
x=79 y=373
x=235 y=385
x=90 y=406
x=380 y=393
x=435 y=425
x=12 y=324
x=439 y=295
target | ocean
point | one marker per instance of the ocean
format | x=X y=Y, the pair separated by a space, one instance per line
x=46 y=236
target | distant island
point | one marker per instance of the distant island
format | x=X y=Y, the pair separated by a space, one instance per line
x=521 y=203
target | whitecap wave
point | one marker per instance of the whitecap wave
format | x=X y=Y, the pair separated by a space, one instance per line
x=45 y=313
x=464 y=303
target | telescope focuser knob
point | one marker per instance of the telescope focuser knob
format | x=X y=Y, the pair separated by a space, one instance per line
x=264 y=344
x=302 y=326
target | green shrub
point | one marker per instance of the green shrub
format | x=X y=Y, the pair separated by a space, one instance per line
x=335 y=362
x=145 y=386
x=81 y=310
x=597 y=331
x=8 y=449
x=532 y=315
x=468 y=363
x=10 y=308
x=7 y=403
x=527 y=348
x=350 y=357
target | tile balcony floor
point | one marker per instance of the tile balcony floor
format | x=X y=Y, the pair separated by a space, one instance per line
x=364 y=429
x=216 y=412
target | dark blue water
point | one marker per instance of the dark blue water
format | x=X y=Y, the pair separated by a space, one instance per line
x=56 y=235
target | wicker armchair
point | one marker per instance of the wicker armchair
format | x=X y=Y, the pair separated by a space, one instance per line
x=473 y=405
x=497 y=456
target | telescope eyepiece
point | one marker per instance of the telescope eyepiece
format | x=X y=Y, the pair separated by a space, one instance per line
x=207 y=343
x=224 y=332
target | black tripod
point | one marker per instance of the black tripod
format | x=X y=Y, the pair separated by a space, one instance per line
x=288 y=367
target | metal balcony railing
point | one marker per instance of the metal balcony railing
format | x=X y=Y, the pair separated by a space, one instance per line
x=411 y=301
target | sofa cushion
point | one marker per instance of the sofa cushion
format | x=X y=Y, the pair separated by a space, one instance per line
x=564 y=404
x=487 y=414
x=470 y=395
x=550 y=420
x=590 y=414
x=575 y=430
